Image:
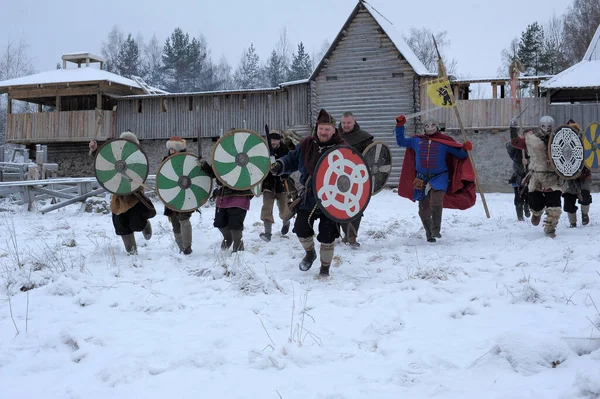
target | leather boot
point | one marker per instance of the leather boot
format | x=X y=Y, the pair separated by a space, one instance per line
x=130 y=245
x=307 y=261
x=585 y=217
x=324 y=271
x=186 y=236
x=266 y=236
x=147 y=232
x=536 y=218
x=519 y=209
x=526 y=210
x=285 y=228
x=427 y=226
x=238 y=242
x=227 y=238
x=572 y=219
x=436 y=221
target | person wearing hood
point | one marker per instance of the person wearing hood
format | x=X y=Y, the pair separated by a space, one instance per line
x=360 y=140
x=428 y=173
x=304 y=159
x=544 y=184
x=130 y=212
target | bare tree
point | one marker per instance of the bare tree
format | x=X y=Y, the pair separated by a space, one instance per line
x=581 y=21
x=316 y=56
x=421 y=43
x=14 y=63
x=223 y=74
x=555 y=45
x=152 y=60
x=284 y=50
x=110 y=49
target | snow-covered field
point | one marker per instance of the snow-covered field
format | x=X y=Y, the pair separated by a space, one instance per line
x=492 y=310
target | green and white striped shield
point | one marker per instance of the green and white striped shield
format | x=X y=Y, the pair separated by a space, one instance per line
x=241 y=159
x=181 y=184
x=121 y=166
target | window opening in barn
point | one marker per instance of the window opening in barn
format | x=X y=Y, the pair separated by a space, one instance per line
x=163 y=105
x=328 y=78
x=364 y=58
x=215 y=103
x=190 y=103
x=397 y=74
x=139 y=106
x=243 y=103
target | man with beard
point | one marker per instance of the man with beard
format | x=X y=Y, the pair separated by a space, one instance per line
x=359 y=139
x=433 y=164
x=304 y=159
x=544 y=184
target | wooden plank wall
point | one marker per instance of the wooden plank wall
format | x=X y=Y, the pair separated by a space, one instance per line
x=367 y=76
x=44 y=127
x=208 y=115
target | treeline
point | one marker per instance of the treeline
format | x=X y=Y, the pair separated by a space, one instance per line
x=183 y=63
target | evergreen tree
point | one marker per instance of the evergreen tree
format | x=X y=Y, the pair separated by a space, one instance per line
x=248 y=74
x=128 y=62
x=275 y=70
x=301 y=65
x=179 y=61
x=531 y=50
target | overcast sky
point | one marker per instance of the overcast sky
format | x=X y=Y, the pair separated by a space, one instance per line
x=477 y=30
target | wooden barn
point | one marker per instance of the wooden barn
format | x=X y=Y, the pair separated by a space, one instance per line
x=370 y=70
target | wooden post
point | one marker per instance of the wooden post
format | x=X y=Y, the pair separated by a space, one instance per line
x=9 y=106
x=40 y=108
x=57 y=103
x=494 y=93
x=99 y=100
x=442 y=72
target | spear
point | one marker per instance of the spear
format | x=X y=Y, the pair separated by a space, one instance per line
x=442 y=72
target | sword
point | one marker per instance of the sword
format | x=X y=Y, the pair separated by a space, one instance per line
x=409 y=116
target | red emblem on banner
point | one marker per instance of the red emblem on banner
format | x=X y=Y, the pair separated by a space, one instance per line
x=342 y=184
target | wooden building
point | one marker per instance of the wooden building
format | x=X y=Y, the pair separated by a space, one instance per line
x=208 y=115
x=370 y=70
x=72 y=103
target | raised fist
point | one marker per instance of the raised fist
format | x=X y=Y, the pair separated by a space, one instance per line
x=400 y=120
x=467 y=145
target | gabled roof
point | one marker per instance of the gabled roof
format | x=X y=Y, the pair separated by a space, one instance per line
x=71 y=75
x=389 y=30
x=584 y=74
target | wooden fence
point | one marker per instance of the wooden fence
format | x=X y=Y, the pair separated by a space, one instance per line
x=65 y=126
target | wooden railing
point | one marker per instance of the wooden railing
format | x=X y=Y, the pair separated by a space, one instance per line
x=71 y=126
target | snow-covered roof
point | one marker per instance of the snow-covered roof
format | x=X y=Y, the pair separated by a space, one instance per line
x=389 y=30
x=499 y=79
x=71 y=75
x=204 y=93
x=584 y=74
x=294 y=82
x=398 y=40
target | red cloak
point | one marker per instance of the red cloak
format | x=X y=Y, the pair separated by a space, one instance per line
x=461 y=193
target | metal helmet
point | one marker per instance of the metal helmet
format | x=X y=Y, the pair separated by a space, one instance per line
x=514 y=122
x=546 y=124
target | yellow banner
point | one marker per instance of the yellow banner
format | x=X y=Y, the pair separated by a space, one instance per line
x=440 y=93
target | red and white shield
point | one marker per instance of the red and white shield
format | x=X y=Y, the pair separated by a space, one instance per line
x=342 y=183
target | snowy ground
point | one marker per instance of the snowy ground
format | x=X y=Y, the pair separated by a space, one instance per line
x=492 y=310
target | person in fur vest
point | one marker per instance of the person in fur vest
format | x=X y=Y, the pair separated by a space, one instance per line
x=544 y=184
x=520 y=160
x=578 y=190
x=304 y=159
x=436 y=172
x=275 y=189
x=231 y=207
x=360 y=140
x=130 y=212
x=182 y=227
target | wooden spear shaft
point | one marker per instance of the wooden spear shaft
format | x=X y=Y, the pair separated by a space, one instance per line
x=442 y=71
